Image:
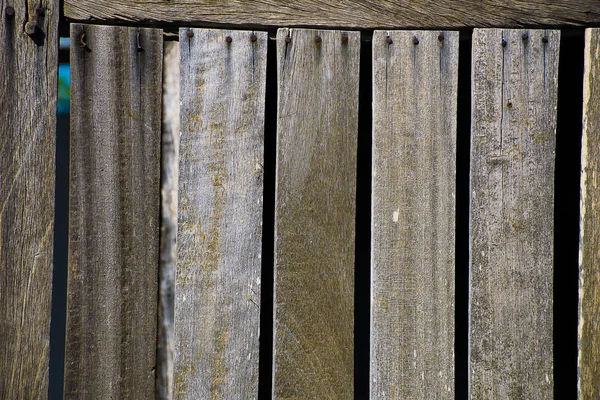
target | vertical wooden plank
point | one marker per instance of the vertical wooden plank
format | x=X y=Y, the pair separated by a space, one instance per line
x=217 y=297
x=589 y=257
x=415 y=80
x=112 y=292
x=315 y=213
x=168 y=223
x=515 y=77
x=28 y=95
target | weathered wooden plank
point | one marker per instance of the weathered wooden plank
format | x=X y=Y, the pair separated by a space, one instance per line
x=28 y=95
x=589 y=259
x=315 y=213
x=217 y=297
x=168 y=223
x=352 y=14
x=112 y=292
x=515 y=77
x=415 y=80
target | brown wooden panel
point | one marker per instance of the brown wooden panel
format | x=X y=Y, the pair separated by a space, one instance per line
x=315 y=213
x=217 y=296
x=589 y=262
x=513 y=136
x=28 y=93
x=348 y=14
x=112 y=292
x=415 y=80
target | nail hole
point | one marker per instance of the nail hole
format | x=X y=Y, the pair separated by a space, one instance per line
x=509 y=104
x=415 y=40
x=503 y=43
x=545 y=39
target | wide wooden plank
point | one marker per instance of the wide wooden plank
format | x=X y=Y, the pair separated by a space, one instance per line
x=28 y=95
x=589 y=260
x=352 y=13
x=315 y=213
x=217 y=296
x=169 y=181
x=415 y=80
x=112 y=292
x=513 y=136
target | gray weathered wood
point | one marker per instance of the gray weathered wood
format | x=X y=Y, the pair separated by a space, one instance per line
x=28 y=93
x=217 y=297
x=512 y=209
x=112 y=292
x=314 y=214
x=413 y=213
x=168 y=222
x=589 y=261
x=352 y=13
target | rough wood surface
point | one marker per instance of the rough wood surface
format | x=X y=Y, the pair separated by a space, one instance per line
x=413 y=213
x=351 y=14
x=168 y=220
x=112 y=292
x=513 y=138
x=28 y=95
x=217 y=297
x=589 y=261
x=315 y=214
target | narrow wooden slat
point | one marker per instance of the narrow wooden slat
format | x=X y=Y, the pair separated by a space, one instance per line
x=28 y=95
x=114 y=212
x=315 y=214
x=589 y=261
x=168 y=222
x=352 y=13
x=415 y=81
x=512 y=209
x=217 y=297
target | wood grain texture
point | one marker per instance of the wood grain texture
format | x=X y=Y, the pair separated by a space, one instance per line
x=363 y=14
x=112 y=291
x=589 y=255
x=28 y=95
x=169 y=181
x=315 y=214
x=413 y=214
x=513 y=136
x=217 y=297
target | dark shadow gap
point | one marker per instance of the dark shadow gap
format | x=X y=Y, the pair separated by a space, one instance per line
x=265 y=368
x=463 y=166
x=60 y=250
x=362 y=261
x=566 y=212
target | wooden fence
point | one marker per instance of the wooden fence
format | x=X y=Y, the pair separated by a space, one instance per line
x=166 y=209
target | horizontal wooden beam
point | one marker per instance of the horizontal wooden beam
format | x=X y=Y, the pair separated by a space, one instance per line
x=364 y=14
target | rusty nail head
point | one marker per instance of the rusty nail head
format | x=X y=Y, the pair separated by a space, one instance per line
x=544 y=39
x=318 y=39
x=253 y=38
x=30 y=28
x=344 y=37
x=228 y=39
x=389 y=40
x=415 y=40
x=503 y=42
x=509 y=104
x=288 y=39
x=189 y=33
x=10 y=11
x=441 y=37
x=524 y=36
